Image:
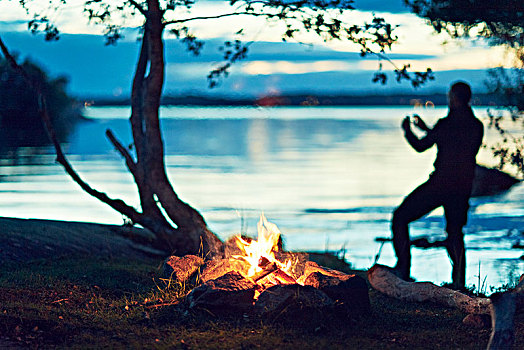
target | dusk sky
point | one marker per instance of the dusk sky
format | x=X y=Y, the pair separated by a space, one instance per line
x=272 y=66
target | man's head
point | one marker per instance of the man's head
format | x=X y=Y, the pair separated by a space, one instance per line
x=459 y=94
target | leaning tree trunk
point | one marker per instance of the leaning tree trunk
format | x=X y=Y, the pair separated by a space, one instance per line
x=191 y=234
x=184 y=230
x=190 y=224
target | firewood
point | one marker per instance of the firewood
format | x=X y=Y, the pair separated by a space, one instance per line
x=277 y=277
x=382 y=279
x=266 y=270
x=504 y=306
x=283 y=277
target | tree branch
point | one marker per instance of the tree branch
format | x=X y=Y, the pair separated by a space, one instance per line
x=137 y=94
x=131 y=165
x=198 y=18
x=12 y=62
x=138 y=7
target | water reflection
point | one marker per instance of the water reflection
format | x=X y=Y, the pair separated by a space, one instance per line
x=24 y=141
x=234 y=137
x=258 y=139
x=326 y=182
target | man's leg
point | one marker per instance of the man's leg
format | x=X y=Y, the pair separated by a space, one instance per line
x=421 y=201
x=456 y=212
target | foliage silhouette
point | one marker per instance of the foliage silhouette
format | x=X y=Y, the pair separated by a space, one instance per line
x=500 y=23
x=20 y=122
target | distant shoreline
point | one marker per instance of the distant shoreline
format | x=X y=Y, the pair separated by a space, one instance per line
x=302 y=100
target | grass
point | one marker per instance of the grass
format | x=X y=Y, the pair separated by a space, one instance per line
x=91 y=302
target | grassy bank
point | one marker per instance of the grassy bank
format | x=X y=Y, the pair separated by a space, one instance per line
x=91 y=302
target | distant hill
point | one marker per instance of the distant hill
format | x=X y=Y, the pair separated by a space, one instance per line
x=304 y=100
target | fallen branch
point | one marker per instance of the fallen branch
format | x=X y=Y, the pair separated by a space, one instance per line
x=382 y=279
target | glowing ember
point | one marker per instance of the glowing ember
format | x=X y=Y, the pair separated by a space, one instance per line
x=260 y=253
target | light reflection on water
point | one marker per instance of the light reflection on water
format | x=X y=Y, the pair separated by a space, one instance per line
x=328 y=177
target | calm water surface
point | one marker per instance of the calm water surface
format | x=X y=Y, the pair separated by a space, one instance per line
x=328 y=177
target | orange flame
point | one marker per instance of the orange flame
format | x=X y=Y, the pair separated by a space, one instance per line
x=263 y=248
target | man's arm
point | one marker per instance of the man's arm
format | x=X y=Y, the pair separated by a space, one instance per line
x=419 y=123
x=419 y=145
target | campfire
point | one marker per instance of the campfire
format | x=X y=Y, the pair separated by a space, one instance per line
x=257 y=276
x=262 y=256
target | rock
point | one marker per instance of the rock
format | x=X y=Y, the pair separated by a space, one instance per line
x=215 y=268
x=348 y=291
x=231 y=246
x=490 y=181
x=228 y=294
x=181 y=269
x=302 y=306
x=311 y=267
x=320 y=280
x=330 y=259
x=477 y=321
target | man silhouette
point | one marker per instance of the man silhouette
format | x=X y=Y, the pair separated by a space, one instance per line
x=458 y=137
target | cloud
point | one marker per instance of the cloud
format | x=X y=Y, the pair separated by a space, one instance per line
x=473 y=59
x=98 y=70
x=289 y=67
x=415 y=36
x=13 y=25
x=10 y=12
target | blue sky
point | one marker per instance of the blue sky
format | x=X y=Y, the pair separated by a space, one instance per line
x=272 y=67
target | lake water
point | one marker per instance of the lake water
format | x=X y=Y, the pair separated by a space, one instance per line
x=328 y=177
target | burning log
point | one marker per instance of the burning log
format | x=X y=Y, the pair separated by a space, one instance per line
x=269 y=276
x=276 y=277
x=383 y=280
x=267 y=268
x=283 y=277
